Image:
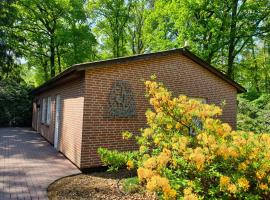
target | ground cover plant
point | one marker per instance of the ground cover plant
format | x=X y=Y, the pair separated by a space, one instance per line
x=186 y=152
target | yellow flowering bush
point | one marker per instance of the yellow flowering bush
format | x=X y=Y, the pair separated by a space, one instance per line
x=186 y=152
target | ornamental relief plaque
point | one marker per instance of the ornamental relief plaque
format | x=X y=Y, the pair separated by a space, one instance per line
x=121 y=100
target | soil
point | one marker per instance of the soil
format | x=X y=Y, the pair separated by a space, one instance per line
x=94 y=186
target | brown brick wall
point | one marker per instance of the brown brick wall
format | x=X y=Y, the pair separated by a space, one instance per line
x=71 y=118
x=177 y=72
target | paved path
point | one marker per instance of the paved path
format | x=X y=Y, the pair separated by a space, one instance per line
x=28 y=164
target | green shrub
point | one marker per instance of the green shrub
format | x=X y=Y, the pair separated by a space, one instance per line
x=15 y=104
x=254 y=115
x=114 y=159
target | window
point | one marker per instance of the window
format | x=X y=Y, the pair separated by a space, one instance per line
x=197 y=123
x=43 y=114
x=48 y=119
x=202 y=100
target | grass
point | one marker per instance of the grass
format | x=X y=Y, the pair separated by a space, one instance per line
x=131 y=185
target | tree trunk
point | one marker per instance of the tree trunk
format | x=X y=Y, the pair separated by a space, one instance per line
x=45 y=69
x=231 y=56
x=267 y=65
x=255 y=75
x=52 y=57
x=58 y=59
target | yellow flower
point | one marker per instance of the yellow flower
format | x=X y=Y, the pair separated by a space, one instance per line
x=224 y=181
x=143 y=149
x=263 y=186
x=147 y=132
x=243 y=183
x=178 y=125
x=147 y=83
x=188 y=195
x=157 y=182
x=198 y=158
x=232 y=188
x=150 y=163
x=169 y=193
x=130 y=165
x=191 y=197
x=164 y=157
x=191 y=184
x=232 y=152
x=157 y=140
x=144 y=173
x=169 y=126
x=187 y=191
x=260 y=175
x=126 y=135
x=242 y=166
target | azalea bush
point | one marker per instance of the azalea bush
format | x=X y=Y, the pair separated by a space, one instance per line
x=186 y=152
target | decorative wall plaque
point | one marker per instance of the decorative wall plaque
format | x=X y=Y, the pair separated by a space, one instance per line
x=121 y=100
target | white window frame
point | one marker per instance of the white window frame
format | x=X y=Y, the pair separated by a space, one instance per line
x=43 y=113
x=200 y=99
x=49 y=110
x=195 y=120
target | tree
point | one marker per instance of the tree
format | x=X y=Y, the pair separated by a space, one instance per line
x=135 y=26
x=75 y=39
x=244 y=23
x=217 y=30
x=57 y=34
x=159 y=31
x=254 y=70
x=39 y=21
x=252 y=113
x=111 y=20
x=9 y=53
x=15 y=104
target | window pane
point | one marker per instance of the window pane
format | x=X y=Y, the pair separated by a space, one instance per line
x=48 y=111
x=202 y=100
x=43 y=116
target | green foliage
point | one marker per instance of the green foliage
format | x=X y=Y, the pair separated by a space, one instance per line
x=253 y=114
x=111 y=18
x=56 y=35
x=221 y=32
x=9 y=67
x=15 y=104
x=131 y=185
x=114 y=159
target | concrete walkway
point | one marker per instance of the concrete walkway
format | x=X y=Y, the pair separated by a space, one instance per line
x=28 y=164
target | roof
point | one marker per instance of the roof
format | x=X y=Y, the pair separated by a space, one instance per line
x=182 y=51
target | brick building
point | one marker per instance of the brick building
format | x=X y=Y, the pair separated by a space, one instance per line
x=88 y=105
